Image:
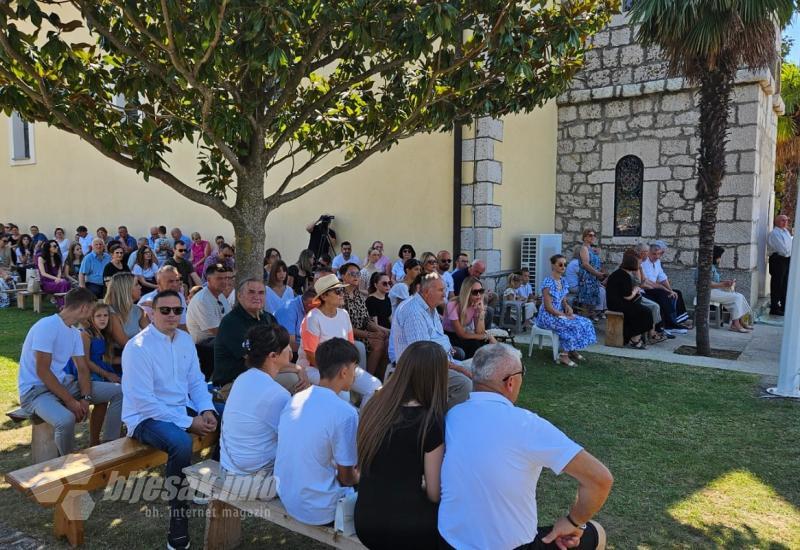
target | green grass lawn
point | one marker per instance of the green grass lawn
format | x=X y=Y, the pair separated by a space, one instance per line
x=699 y=460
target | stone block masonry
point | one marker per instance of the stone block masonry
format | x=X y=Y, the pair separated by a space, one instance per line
x=625 y=103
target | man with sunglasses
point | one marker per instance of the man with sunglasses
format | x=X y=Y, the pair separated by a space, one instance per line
x=444 y=260
x=167 y=278
x=494 y=455
x=185 y=268
x=161 y=387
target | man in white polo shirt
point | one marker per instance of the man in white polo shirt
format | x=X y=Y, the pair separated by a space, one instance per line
x=494 y=453
x=53 y=395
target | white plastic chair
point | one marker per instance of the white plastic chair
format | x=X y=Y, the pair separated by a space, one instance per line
x=540 y=333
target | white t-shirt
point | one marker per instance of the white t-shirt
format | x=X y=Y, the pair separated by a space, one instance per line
x=250 y=422
x=86 y=243
x=149 y=273
x=525 y=290
x=49 y=335
x=494 y=454
x=317 y=433
x=339 y=261
x=398 y=294
x=205 y=312
x=318 y=327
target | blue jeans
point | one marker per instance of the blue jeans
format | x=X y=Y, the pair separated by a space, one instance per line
x=177 y=443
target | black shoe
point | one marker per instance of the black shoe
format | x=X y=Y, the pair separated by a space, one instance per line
x=178 y=537
x=777 y=312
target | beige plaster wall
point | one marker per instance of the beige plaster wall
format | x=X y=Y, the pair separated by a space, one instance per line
x=528 y=192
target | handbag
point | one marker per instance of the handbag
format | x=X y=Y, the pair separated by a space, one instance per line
x=32 y=277
x=345 y=510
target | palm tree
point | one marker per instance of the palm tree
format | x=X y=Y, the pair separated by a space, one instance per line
x=787 y=156
x=706 y=41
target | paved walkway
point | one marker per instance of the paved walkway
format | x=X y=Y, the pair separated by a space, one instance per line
x=760 y=348
x=11 y=538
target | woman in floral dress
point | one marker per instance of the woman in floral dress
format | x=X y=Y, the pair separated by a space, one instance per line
x=591 y=293
x=574 y=332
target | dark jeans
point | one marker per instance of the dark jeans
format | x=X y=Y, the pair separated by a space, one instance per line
x=779 y=273
x=205 y=353
x=671 y=308
x=98 y=290
x=589 y=540
x=177 y=443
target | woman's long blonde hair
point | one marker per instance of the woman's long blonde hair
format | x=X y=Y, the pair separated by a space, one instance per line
x=464 y=296
x=120 y=294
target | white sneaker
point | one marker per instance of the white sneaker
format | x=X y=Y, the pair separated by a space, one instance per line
x=678 y=330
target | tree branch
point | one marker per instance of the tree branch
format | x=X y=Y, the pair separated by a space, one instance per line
x=213 y=45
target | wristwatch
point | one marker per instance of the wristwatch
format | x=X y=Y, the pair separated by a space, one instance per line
x=88 y=398
x=581 y=526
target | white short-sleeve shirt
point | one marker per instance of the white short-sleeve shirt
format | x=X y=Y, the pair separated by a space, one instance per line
x=317 y=433
x=494 y=453
x=249 y=438
x=205 y=312
x=49 y=335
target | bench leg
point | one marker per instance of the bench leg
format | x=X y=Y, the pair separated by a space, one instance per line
x=223 y=526
x=43 y=441
x=20 y=300
x=69 y=516
x=37 y=303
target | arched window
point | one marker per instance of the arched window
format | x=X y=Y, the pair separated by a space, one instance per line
x=628 y=197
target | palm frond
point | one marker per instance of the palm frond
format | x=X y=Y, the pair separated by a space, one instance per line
x=696 y=34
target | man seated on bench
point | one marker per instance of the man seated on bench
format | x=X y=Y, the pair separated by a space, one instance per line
x=162 y=375
x=50 y=393
x=250 y=431
x=167 y=278
x=494 y=453
x=316 y=460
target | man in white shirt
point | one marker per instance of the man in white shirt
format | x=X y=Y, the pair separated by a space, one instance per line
x=779 y=248
x=657 y=288
x=84 y=238
x=205 y=313
x=444 y=260
x=346 y=257
x=494 y=453
x=47 y=391
x=316 y=459
x=167 y=278
x=162 y=380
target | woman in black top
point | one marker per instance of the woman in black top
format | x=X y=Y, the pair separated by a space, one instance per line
x=400 y=442
x=378 y=304
x=116 y=265
x=622 y=295
x=300 y=276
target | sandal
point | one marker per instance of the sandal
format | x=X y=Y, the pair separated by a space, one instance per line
x=576 y=356
x=741 y=330
x=657 y=339
x=568 y=362
x=637 y=345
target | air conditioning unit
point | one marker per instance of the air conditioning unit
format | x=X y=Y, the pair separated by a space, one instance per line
x=535 y=253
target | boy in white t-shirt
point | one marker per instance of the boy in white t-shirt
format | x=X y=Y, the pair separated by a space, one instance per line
x=316 y=461
x=50 y=393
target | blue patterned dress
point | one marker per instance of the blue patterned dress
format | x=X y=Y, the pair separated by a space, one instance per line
x=573 y=334
x=588 y=284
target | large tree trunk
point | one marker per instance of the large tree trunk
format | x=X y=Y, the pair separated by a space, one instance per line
x=715 y=95
x=248 y=227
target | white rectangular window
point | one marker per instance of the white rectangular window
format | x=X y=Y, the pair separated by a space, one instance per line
x=21 y=140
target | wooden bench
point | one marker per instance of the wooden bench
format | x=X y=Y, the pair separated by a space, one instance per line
x=614 y=329
x=43 y=443
x=36 y=297
x=223 y=520
x=64 y=482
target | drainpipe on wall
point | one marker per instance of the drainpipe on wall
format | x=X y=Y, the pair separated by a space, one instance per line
x=457 y=183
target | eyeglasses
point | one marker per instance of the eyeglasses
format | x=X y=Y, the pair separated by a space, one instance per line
x=446 y=261
x=477 y=291
x=591 y=235
x=522 y=372
x=180 y=250
x=352 y=273
x=338 y=291
x=165 y=310
x=384 y=283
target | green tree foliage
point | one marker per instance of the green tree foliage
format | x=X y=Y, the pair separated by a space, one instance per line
x=707 y=42
x=259 y=84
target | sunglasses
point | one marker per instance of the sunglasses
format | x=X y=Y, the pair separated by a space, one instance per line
x=181 y=250
x=561 y=264
x=338 y=291
x=431 y=262
x=522 y=372
x=446 y=261
x=477 y=292
x=352 y=273
x=384 y=283
x=164 y=310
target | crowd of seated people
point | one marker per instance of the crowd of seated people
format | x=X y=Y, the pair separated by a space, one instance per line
x=297 y=354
